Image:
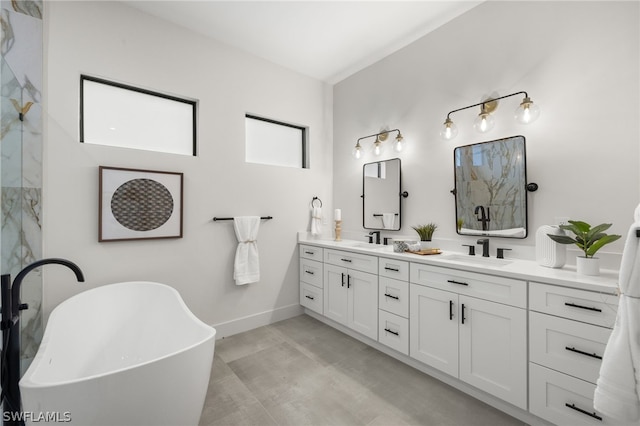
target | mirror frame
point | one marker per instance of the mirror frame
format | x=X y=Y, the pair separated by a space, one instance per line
x=525 y=189
x=400 y=196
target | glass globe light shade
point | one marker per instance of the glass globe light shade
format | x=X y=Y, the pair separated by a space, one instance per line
x=484 y=122
x=399 y=143
x=377 y=147
x=449 y=130
x=527 y=112
x=357 y=151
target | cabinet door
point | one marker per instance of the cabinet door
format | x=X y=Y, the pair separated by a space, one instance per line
x=493 y=343
x=433 y=328
x=335 y=293
x=363 y=303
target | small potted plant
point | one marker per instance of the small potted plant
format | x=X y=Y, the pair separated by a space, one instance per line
x=589 y=240
x=425 y=232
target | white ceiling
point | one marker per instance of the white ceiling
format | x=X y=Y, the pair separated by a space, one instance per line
x=327 y=40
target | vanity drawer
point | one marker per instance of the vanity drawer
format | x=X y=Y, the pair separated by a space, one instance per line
x=562 y=399
x=495 y=289
x=397 y=269
x=568 y=346
x=311 y=272
x=580 y=305
x=311 y=297
x=393 y=296
x=311 y=252
x=357 y=261
x=393 y=331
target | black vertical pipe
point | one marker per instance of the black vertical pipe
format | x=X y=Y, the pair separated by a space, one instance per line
x=10 y=375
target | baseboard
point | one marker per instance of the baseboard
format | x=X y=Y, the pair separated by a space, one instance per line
x=240 y=325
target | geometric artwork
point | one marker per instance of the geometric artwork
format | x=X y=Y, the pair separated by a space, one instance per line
x=139 y=204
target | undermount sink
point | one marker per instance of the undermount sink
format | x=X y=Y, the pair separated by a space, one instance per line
x=477 y=260
x=370 y=246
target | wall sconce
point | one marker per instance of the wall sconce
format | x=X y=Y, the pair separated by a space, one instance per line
x=527 y=112
x=378 y=147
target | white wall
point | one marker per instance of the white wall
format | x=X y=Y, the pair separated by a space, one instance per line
x=111 y=40
x=578 y=60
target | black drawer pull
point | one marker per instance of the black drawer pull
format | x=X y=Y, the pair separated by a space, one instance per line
x=392 y=269
x=346 y=260
x=310 y=298
x=463 y=318
x=310 y=252
x=573 y=407
x=392 y=296
x=456 y=282
x=450 y=309
x=348 y=281
x=310 y=272
x=573 y=305
x=583 y=352
x=391 y=331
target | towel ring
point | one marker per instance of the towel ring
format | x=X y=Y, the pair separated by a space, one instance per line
x=314 y=199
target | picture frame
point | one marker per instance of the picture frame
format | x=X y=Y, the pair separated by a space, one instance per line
x=137 y=204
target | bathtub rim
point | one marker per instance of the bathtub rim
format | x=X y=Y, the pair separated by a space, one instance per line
x=27 y=381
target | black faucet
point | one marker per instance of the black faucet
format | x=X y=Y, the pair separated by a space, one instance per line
x=484 y=218
x=11 y=307
x=377 y=234
x=485 y=246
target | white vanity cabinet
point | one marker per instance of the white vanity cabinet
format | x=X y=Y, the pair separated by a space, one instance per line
x=311 y=278
x=393 y=301
x=569 y=329
x=350 y=290
x=455 y=329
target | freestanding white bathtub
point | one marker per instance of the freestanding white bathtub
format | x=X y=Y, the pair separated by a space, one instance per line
x=130 y=353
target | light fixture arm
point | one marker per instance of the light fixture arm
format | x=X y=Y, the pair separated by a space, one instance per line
x=378 y=134
x=486 y=102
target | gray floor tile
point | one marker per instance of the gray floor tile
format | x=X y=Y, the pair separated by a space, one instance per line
x=303 y=372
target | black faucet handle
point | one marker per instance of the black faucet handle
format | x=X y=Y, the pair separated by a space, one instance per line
x=370 y=237
x=472 y=249
x=500 y=254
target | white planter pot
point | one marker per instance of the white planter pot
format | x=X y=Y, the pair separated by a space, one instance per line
x=426 y=245
x=588 y=265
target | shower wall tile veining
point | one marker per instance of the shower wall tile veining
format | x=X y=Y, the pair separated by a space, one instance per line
x=21 y=156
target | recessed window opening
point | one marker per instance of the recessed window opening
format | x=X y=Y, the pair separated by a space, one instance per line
x=119 y=115
x=275 y=143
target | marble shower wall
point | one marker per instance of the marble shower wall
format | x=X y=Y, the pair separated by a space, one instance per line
x=21 y=157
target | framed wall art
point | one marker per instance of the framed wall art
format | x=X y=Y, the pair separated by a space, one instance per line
x=139 y=204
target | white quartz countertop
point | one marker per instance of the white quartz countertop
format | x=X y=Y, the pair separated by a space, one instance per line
x=606 y=282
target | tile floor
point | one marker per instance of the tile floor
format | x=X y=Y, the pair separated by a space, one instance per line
x=303 y=372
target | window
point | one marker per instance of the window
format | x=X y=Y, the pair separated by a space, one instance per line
x=275 y=143
x=119 y=115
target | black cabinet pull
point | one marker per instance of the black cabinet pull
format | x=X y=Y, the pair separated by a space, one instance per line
x=343 y=279
x=309 y=252
x=310 y=272
x=392 y=269
x=450 y=309
x=310 y=298
x=463 y=318
x=348 y=281
x=392 y=296
x=456 y=282
x=391 y=331
x=573 y=305
x=573 y=407
x=346 y=260
x=583 y=352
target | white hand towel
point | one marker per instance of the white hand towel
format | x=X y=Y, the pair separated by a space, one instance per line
x=387 y=220
x=246 y=267
x=316 y=220
x=617 y=392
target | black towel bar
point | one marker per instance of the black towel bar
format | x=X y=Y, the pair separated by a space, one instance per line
x=230 y=218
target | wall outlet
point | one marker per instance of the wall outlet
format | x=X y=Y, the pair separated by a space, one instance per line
x=562 y=220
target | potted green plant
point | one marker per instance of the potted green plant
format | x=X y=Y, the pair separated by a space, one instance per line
x=589 y=240
x=425 y=232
